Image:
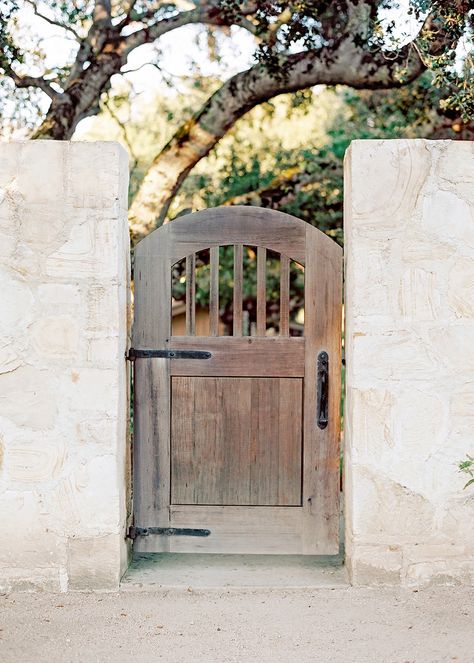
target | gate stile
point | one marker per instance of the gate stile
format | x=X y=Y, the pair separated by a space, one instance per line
x=236 y=446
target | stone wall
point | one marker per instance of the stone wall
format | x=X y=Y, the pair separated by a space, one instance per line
x=409 y=419
x=64 y=288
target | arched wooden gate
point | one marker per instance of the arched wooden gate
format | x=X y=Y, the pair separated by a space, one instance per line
x=236 y=445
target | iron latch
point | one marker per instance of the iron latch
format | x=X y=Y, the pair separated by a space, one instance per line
x=146 y=353
x=134 y=532
x=323 y=390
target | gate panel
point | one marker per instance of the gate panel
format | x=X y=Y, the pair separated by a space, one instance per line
x=238 y=448
x=236 y=441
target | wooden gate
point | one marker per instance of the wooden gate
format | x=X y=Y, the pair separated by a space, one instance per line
x=236 y=445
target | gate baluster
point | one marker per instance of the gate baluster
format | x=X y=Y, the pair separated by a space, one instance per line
x=191 y=295
x=214 y=292
x=238 y=283
x=261 y=291
x=284 y=295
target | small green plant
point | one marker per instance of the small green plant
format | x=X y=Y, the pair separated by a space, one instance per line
x=467 y=466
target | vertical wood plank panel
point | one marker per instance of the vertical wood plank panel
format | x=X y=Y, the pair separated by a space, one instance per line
x=191 y=295
x=236 y=441
x=214 y=292
x=284 y=295
x=290 y=448
x=323 y=315
x=151 y=452
x=261 y=291
x=264 y=468
x=238 y=286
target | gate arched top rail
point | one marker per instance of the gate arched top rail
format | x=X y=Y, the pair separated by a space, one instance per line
x=221 y=226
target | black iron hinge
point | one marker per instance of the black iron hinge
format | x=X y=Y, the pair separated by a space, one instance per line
x=147 y=353
x=134 y=532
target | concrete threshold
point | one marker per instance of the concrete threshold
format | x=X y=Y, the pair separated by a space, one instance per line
x=191 y=572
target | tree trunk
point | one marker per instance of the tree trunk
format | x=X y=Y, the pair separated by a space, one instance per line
x=81 y=99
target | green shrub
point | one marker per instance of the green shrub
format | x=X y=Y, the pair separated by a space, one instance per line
x=467 y=466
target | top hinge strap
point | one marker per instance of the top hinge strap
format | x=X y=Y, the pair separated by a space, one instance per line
x=134 y=354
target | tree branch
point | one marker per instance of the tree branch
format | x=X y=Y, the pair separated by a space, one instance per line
x=207 y=14
x=52 y=21
x=33 y=81
x=281 y=190
x=348 y=65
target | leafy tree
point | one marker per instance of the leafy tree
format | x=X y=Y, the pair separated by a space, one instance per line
x=265 y=160
x=298 y=45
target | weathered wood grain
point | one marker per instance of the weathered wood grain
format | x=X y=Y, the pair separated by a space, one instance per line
x=261 y=291
x=226 y=226
x=322 y=325
x=214 y=292
x=284 y=296
x=228 y=447
x=151 y=442
x=191 y=295
x=235 y=417
x=241 y=356
x=252 y=530
x=238 y=286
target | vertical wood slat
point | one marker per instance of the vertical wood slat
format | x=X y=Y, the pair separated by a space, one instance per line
x=191 y=295
x=284 y=295
x=214 y=292
x=261 y=291
x=323 y=317
x=151 y=447
x=238 y=286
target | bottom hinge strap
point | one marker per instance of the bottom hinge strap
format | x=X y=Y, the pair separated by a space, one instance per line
x=133 y=531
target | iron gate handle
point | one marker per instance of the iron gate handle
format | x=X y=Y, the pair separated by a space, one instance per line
x=323 y=390
x=146 y=353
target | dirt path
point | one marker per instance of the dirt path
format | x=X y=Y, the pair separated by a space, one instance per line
x=342 y=625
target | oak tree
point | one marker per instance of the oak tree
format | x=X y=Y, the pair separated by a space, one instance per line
x=298 y=45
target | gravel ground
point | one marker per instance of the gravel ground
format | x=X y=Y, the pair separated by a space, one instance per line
x=341 y=625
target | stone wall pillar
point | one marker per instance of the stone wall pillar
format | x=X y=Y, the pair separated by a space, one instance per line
x=409 y=415
x=64 y=284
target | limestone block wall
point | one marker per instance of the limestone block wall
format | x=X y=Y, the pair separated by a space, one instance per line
x=64 y=284
x=409 y=416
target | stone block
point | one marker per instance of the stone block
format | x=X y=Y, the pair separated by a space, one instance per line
x=103 y=350
x=28 y=397
x=461 y=287
x=388 y=510
x=375 y=565
x=102 y=311
x=448 y=218
x=9 y=163
x=16 y=304
x=392 y=356
x=10 y=357
x=98 y=187
x=63 y=391
x=452 y=347
x=34 y=459
x=59 y=295
x=41 y=173
x=56 y=336
x=420 y=294
x=94 y=562
x=94 y=389
x=438 y=564
x=409 y=344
